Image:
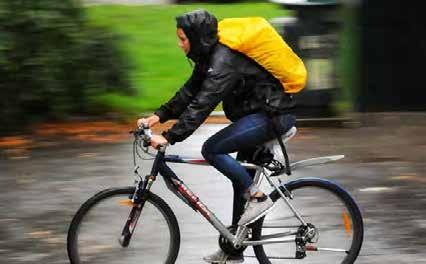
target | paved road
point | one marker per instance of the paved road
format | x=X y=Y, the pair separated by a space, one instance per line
x=384 y=169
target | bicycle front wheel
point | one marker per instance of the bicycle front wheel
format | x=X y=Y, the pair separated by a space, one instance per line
x=95 y=231
x=328 y=209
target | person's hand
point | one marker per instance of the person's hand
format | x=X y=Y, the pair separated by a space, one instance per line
x=152 y=120
x=157 y=140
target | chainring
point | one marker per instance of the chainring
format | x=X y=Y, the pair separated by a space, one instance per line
x=228 y=246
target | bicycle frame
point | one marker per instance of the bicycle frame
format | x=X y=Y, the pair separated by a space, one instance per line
x=178 y=187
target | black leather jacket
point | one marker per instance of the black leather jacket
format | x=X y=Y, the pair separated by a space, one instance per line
x=220 y=75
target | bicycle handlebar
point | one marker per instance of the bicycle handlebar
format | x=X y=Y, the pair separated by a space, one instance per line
x=145 y=133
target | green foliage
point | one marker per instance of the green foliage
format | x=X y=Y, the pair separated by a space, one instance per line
x=52 y=62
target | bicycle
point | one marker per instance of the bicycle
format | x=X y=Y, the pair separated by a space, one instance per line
x=324 y=218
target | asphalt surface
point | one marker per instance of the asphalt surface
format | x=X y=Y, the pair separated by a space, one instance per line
x=384 y=170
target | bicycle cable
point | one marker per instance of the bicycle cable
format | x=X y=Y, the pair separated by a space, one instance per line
x=146 y=150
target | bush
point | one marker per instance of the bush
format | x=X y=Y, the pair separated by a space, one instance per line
x=52 y=62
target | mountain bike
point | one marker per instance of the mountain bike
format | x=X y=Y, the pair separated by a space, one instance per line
x=314 y=220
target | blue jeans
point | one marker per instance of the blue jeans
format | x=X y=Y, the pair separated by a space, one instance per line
x=242 y=136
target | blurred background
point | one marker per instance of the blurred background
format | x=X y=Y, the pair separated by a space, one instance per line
x=120 y=58
x=75 y=76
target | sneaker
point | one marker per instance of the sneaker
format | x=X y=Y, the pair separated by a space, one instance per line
x=235 y=259
x=219 y=257
x=257 y=207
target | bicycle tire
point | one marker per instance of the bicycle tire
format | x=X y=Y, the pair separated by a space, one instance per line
x=97 y=199
x=325 y=185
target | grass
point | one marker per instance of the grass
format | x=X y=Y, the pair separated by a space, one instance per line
x=149 y=41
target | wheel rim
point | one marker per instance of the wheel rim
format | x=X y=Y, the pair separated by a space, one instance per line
x=333 y=219
x=101 y=227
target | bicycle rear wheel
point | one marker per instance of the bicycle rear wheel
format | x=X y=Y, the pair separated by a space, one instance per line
x=96 y=228
x=326 y=206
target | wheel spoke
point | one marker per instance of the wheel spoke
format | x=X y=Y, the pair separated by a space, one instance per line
x=314 y=248
x=334 y=229
x=96 y=230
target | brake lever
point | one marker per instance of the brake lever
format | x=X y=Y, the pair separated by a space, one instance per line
x=146 y=144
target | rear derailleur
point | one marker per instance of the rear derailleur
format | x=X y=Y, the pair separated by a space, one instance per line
x=305 y=234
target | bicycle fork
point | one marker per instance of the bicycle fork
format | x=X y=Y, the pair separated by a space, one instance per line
x=137 y=201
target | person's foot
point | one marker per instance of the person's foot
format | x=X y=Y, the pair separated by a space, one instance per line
x=219 y=257
x=235 y=259
x=257 y=207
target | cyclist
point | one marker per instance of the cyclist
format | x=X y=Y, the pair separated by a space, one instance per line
x=250 y=96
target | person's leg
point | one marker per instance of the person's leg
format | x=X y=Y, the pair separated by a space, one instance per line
x=239 y=199
x=241 y=135
x=248 y=132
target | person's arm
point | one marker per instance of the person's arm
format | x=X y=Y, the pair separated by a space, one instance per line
x=180 y=101
x=219 y=81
